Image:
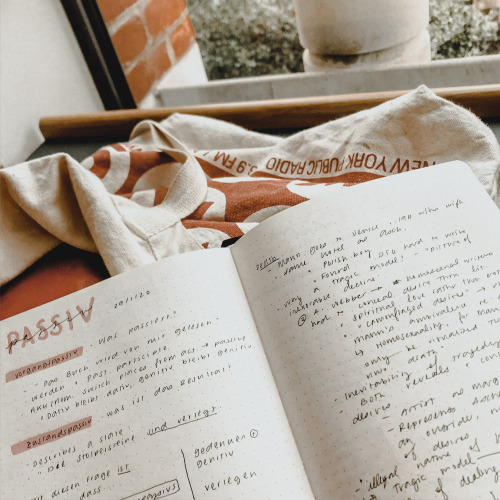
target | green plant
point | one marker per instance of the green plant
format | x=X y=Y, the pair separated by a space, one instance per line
x=258 y=37
x=458 y=29
x=250 y=38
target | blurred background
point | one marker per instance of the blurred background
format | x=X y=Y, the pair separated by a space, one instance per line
x=260 y=37
x=66 y=57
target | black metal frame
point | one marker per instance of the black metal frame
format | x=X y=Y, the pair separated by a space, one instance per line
x=95 y=43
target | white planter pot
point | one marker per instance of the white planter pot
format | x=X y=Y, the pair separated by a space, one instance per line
x=414 y=51
x=350 y=27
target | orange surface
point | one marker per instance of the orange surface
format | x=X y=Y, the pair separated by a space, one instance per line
x=62 y=271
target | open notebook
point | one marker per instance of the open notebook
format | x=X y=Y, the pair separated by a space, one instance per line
x=345 y=348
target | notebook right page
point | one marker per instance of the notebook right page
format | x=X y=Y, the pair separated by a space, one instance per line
x=379 y=311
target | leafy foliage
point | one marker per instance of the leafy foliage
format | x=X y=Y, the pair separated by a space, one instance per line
x=459 y=29
x=259 y=37
x=249 y=38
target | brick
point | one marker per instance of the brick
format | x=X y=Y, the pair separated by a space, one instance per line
x=111 y=9
x=182 y=37
x=145 y=73
x=130 y=40
x=160 y=14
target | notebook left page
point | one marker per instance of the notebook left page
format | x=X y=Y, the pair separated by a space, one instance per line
x=148 y=385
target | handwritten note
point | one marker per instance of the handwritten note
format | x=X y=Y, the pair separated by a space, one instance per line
x=152 y=384
x=379 y=311
x=376 y=311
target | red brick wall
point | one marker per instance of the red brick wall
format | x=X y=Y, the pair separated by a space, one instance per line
x=149 y=37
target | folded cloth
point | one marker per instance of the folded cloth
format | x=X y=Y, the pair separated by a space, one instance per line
x=190 y=182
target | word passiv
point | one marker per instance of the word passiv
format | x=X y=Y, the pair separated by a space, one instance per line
x=43 y=331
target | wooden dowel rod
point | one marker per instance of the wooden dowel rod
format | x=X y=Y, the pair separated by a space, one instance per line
x=483 y=100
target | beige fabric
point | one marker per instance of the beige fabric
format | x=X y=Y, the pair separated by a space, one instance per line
x=417 y=127
x=56 y=199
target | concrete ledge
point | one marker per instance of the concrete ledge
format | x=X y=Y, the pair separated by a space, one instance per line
x=443 y=73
